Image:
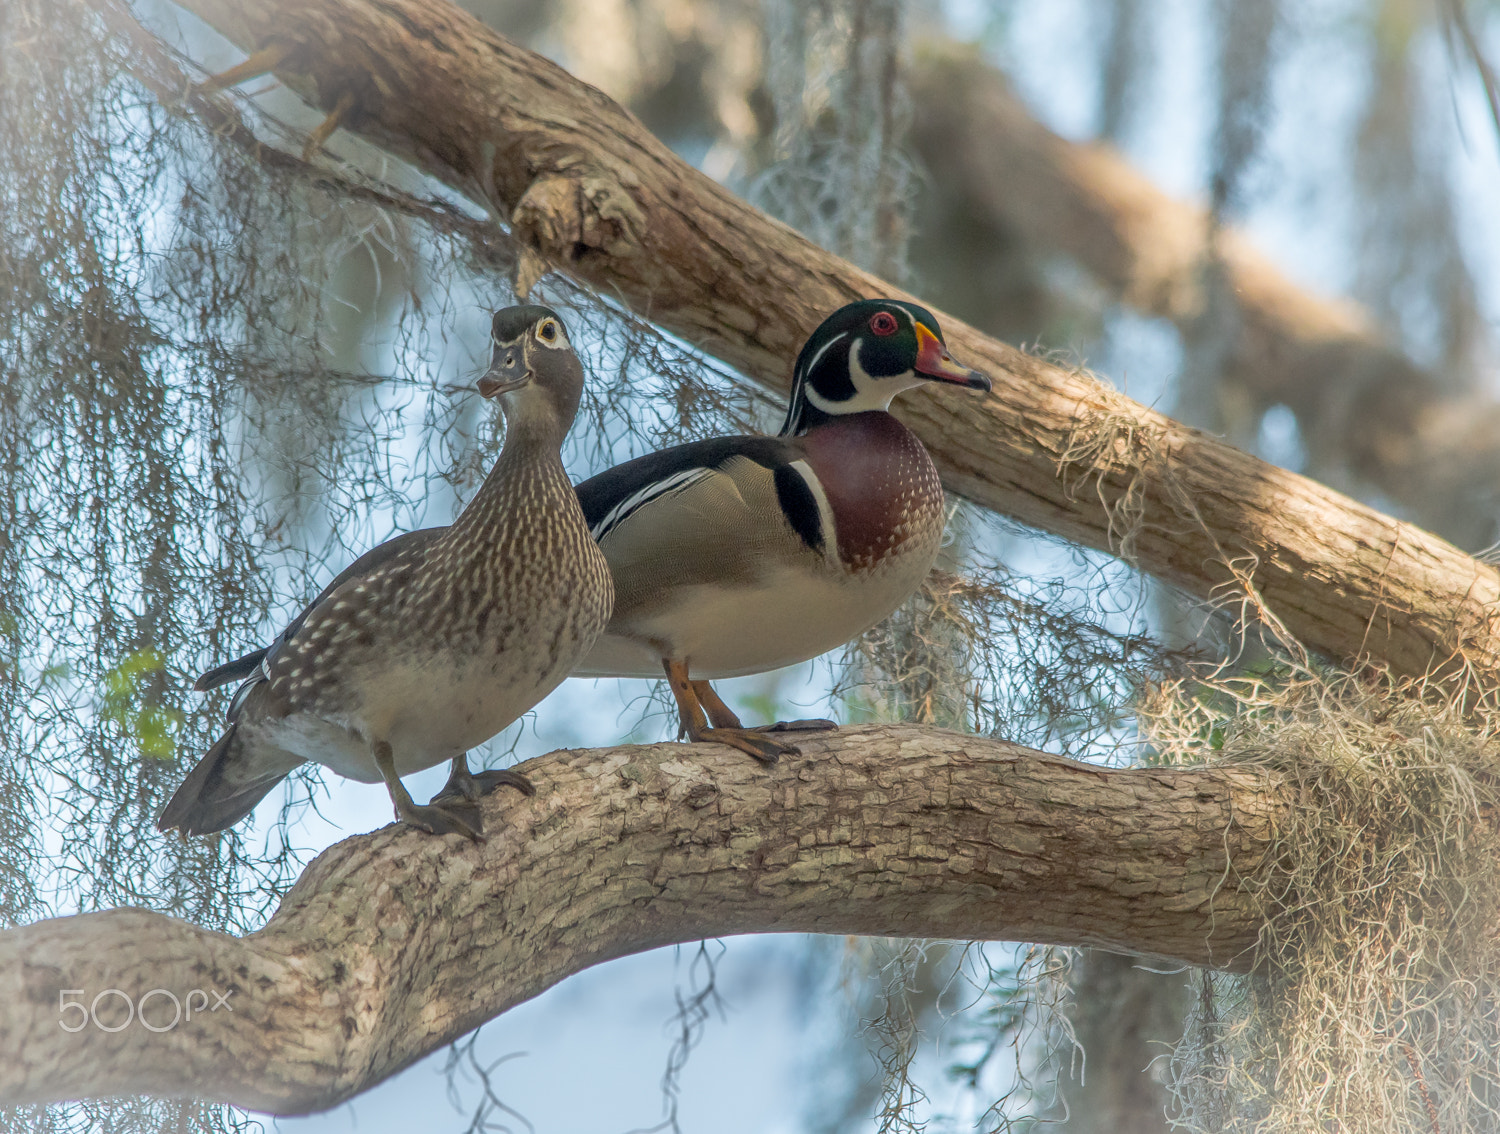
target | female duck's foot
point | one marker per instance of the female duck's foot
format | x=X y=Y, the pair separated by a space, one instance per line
x=449 y=817
x=441 y=816
x=464 y=784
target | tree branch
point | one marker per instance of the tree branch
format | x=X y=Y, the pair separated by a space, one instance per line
x=395 y=943
x=1362 y=405
x=587 y=187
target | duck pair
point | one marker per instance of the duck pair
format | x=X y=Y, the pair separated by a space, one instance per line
x=714 y=559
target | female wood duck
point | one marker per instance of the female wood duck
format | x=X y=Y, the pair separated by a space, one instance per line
x=739 y=555
x=436 y=640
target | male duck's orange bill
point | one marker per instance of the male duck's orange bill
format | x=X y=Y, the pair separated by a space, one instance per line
x=934 y=361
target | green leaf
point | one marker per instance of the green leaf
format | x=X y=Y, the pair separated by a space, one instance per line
x=153 y=727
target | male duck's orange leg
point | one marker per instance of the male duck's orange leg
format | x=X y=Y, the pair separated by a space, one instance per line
x=261 y=62
x=693 y=723
x=721 y=715
x=325 y=128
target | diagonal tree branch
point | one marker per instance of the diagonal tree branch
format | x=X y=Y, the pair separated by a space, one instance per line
x=590 y=190
x=395 y=943
x=1362 y=404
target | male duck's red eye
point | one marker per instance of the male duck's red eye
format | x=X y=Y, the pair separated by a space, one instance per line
x=883 y=323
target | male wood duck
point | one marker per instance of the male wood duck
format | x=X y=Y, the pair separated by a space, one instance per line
x=436 y=640
x=738 y=555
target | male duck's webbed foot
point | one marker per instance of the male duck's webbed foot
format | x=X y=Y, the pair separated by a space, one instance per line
x=449 y=817
x=721 y=715
x=748 y=741
x=464 y=784
x=693 y=721
x=811 y=724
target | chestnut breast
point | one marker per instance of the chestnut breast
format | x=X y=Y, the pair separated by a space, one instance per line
x=882 y=487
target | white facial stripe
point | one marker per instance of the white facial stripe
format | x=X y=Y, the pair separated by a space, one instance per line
x=825 y=510
x=801 y=386
x=812 y=363
x=870 y=393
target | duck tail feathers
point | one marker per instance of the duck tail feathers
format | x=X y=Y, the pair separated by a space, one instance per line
x=237 y=670
x=218 y=792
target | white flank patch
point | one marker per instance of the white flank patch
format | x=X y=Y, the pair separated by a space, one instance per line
x=870 y=393
x=792 y=614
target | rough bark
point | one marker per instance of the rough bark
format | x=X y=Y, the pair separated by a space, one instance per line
x=592 y=192
x=1362 y=405
x=395 y=943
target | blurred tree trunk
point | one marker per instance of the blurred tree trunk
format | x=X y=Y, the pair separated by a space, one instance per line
x=1125 y=1017
x=1369 y=415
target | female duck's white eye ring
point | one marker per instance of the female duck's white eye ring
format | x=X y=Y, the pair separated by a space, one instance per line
x=883 y=323
x=548 y=331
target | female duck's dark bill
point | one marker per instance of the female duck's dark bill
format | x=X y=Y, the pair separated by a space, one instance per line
x=509 y=373
x=934 y=361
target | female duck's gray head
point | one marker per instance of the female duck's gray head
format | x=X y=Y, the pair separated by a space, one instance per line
x=533 y=372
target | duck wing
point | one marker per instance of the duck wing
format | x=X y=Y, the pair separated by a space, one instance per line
x=245 y=667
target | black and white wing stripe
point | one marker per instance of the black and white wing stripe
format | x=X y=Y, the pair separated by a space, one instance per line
x=610 y=498
x=675 y=482
x=805 y=504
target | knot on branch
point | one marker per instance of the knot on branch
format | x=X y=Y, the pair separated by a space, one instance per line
x=579 y=209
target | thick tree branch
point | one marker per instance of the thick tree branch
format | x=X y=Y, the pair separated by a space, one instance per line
x=395 y=943
x=1362 y=404
x=591 y=190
